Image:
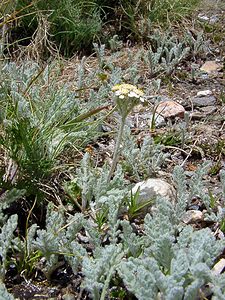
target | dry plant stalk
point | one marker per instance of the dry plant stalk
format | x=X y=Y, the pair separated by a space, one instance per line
x=40 y=42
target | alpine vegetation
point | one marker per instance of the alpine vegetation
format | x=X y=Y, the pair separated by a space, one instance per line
x=102 y=195
x=155 y=256
x=169 y=259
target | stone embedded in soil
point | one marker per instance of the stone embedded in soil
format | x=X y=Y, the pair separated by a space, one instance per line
x=69 y=296
x=159 y=121
x=170 y=108
x=208 y=110
x=203 y=18
x=204 y=101
x=210 y=67
x=192 y=216
x=211 y=20
x=204 y=93
x=152 y=188
x=194 y=207
x=197 y=115
x=203 y=112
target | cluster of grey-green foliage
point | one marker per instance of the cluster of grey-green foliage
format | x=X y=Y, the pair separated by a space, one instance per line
x=168 y=260
x=36 y=132
x=163 y=56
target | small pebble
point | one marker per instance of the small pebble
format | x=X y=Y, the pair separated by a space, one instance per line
x=204 y=93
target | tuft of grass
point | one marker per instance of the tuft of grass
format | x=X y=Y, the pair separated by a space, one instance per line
x=135 y=207
x=38 y=123
x=168 y=139
x=164 y=11
x=74 y=25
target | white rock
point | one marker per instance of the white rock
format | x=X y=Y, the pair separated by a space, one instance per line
x=203 y=18
x=153 y=187
x=192 y=216
x=204 y=93
x=219 y=267
x=211 y=20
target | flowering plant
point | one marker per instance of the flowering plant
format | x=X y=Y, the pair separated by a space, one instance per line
x=126 y=96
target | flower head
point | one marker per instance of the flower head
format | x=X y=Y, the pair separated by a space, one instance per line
x=127 y=96
x=128 y=91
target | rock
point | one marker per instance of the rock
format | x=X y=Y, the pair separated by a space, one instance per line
x=69 y=296
x=210 y=67
x=197 y=115
x=194 y=207
x=204 y=93
x=152 y=188
x=192 y=216
x=159 y=120
x=220 y=234
x=219 y=267
x=204 y=101
x=211 y=20
x=208 y=110
x=203 y=18
x=204 y=76
x=170 y=108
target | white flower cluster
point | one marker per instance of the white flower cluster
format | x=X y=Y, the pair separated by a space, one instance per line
x=124 y=90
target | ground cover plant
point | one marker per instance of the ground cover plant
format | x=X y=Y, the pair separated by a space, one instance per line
x=81 y=139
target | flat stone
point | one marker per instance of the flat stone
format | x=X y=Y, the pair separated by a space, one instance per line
x=169 y=109
x=192 y=216
x=204 y=101
x=204 y=93
x=197 y=115
x=152 y=188
x=208 y=110
x=210 y=66
x=194 y=207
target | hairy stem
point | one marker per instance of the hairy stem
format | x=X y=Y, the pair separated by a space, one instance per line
x=116 y=151
x=107 y=282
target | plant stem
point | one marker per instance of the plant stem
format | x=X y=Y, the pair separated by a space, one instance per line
x=106 y=284
x=116 y=151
